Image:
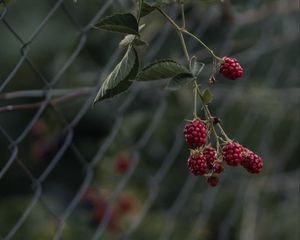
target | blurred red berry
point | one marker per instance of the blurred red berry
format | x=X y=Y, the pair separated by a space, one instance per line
x=122 y=164
x=39 y=129
x=126 y=204
x=213 y=181
x=100 y=212
x=231 y=68
x=90 y=196
x=41 y=149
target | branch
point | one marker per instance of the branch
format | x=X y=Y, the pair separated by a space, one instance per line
x=40 y=93
x=55 y=101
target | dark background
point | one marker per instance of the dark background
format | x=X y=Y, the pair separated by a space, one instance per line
x=59 y=172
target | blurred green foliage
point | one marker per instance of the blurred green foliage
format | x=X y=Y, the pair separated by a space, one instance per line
x=262 y=111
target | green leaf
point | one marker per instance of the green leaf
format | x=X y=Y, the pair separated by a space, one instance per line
x=132 y=39
x=179 y=81
x=120 y=78
x=196 y=67
x=123 y=23
x=161 y=69
x=146 y=9
x=207 y=96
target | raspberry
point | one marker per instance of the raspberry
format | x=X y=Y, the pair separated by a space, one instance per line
x=252 y=162
x=210 y=155
x=122 y=164
x=217 y=168
x=125 y=204
x=195 y=133
x=197 y=164
x=232 y=153
x=231 y=68
x=213 y=181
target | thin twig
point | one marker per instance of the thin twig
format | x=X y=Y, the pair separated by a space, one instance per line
x=55 y=101
x=41 y=93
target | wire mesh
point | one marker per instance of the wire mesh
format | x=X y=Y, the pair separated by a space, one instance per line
x=38 y=82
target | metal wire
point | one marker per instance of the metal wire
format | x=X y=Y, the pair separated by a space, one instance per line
x=247 y=199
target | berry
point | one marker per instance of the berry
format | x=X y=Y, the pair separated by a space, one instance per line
x=217 y=168
x=210 y=155
x=232 y=153
x=39 y=129
x=41 y=149
x=231 y=68
x=122 y=164
x=252 y=162
x=125 y=204
x=197 y=164
x=195 y=134
x=213 y=181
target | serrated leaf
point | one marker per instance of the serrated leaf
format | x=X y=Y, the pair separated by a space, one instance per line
x=207 y=96
x=161 y=69
x=179 y=81
x=120 y=78
x=123 y=23
x=196 y=68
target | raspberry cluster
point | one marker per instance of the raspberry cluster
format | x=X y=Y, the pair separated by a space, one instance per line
x=231 y=68
x=207 y=161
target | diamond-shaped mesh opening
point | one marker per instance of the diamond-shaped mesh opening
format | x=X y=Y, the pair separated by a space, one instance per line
x=118 y=170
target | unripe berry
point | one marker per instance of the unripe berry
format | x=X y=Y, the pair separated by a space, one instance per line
x=231 y=68
x=232 y=153
x=217 y=168
x=197 y=164
x=252 y=162
x=213 y=181
x=195 y=133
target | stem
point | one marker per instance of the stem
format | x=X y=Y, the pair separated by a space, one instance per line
x=183 y=15
x=55 y=101
x=169 y=19
x=223 y=133
x=179 y=31
x=195 y=99
x=43 y=93
x=206 y=110
x=203 y=44
x=186 y=53
x=139 y=10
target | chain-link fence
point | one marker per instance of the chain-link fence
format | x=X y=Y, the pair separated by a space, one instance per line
x=118 y=170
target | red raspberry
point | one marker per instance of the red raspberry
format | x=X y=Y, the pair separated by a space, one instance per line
x=252 y=162
x=122 y=164
x=195 y=134
x=126 y=204
x=197 y=164
x=213 y=181
x=210 y=155
x=231 y=68
x=232 y=153
x=217 y=168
